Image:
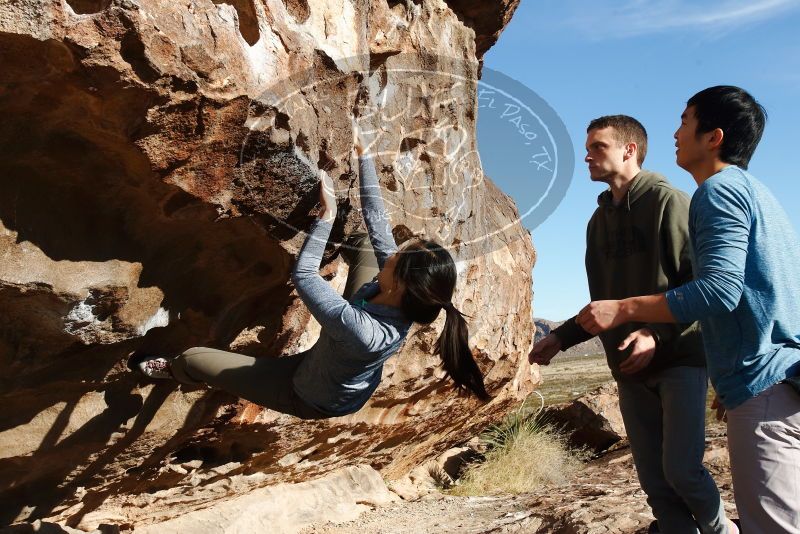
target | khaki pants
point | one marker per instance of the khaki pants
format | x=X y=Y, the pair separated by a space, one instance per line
x=764 y=445
x=360 y=256
x=268 y=381
x=264 y=381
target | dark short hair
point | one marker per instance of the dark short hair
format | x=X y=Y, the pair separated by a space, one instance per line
x=626 y=129
x=734 y=111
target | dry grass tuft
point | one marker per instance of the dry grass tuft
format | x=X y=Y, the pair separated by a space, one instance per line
x=522 y=456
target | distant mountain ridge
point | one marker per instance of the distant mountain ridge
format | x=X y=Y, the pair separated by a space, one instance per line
x=593 y=346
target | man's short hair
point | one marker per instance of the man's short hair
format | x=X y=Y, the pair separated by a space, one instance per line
x=626 y=130
x=734 y=111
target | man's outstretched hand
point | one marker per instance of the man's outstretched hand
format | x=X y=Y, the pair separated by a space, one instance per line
x=545 y=349
x=600 y=315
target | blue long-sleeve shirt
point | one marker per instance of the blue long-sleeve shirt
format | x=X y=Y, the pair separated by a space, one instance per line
x=341 y=371
x=746 y=291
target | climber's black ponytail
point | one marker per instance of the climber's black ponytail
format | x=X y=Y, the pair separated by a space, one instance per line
x=429 y=275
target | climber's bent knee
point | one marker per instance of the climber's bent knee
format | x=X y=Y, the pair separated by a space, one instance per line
x=200 y=365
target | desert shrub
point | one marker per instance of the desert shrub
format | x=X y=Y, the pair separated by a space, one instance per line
x=522 y=454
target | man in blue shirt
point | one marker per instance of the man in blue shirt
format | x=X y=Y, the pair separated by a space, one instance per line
x=746 y=295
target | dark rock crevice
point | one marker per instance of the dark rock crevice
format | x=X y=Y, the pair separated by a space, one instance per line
x=248 y=19
x=87 y=7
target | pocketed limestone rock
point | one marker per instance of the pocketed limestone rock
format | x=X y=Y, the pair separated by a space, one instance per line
x=592 y=421
x=153 y=193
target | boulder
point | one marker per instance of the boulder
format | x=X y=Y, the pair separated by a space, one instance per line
x=436 y=474
x=158 y=169
x=593 y=421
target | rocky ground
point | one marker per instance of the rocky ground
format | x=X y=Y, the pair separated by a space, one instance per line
x=604 y=498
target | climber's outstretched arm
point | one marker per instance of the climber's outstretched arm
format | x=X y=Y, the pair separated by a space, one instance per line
x=340 y=319
x=378 y=224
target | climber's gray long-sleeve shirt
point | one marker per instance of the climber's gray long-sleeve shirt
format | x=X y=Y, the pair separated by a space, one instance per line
x=341 y=371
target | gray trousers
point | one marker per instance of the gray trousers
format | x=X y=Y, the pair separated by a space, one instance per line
x=764 y=444
x=268 y=381
x=665 y=420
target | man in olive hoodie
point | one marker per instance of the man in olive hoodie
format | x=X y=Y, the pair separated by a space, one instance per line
x=637 y=243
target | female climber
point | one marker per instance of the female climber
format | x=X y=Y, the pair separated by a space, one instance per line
x=360 y=330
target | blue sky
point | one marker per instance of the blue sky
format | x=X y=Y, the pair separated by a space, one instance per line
x=645 y=59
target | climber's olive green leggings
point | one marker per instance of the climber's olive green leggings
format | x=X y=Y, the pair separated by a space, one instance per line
x=268 y=381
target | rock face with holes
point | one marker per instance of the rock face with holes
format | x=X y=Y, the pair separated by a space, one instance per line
x=158 y=164
x=593 y=421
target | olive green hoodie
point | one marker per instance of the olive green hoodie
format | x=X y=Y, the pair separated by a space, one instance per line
x=640 y=247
